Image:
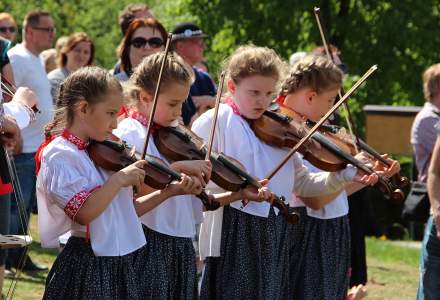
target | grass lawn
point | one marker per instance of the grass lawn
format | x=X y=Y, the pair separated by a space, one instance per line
x=392 y=269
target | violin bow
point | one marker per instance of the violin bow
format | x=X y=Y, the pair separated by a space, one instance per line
x=348 y=116
x=214 y=120
x=156 y=95
x=320 y=122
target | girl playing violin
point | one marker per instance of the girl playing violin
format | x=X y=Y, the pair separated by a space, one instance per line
x=308 y=93
x=105 y=257
x=170 y=225
x=253 y=257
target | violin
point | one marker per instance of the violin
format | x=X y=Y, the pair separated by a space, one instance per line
x=345 y=138
x=349 y=139
x=281 y=131
x=115 y=155
x=180 y=143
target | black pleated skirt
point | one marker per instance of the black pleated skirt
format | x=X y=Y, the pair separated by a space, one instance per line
x=78 y=274
x=172 y=263
x=319 y=259
x=252 y=258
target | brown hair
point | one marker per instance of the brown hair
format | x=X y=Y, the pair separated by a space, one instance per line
x=176 y=70
x=32 y=19
x=431 y=82
x=315 y=72
x=321 y=50
x=251 y=60
x=89 y=83
x=71 y=42
x=128 y=15
x=124 y=47
x=7 y=17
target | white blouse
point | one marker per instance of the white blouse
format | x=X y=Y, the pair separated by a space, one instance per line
x=176 y=216
x=335 y=209
x=235 y=138
x=65 y=181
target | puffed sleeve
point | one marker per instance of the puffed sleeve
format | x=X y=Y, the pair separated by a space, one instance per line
x=129 y=133
x=67 y=187
x=201 y=126
x=309 y=184
x=19 y=112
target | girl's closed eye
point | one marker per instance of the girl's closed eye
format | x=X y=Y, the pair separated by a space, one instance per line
x=254 y=92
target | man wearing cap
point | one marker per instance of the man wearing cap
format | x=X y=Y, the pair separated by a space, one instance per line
x=188 y=43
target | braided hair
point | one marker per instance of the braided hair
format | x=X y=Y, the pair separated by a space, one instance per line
x=315 y=72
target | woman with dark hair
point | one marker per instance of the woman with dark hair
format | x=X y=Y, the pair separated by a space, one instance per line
x=144 y=37
x=78 y=52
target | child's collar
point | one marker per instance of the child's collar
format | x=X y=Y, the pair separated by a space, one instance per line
x=78 y=142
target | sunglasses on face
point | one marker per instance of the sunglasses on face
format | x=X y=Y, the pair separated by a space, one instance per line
x=45 y=29
x=140 y=42
x=11 y=29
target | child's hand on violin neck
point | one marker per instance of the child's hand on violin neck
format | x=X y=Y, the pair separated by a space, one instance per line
x=189 y=185
x=198 y=168
x=388 y=171
x=251 y=193
x=365 y=179
x=133 y=175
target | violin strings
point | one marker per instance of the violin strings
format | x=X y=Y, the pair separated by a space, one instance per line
x=23 y=222
x=6 y=89
x=11 y=85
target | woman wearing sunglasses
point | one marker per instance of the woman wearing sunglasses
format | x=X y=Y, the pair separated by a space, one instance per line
x=8 y=27
x=144 y=37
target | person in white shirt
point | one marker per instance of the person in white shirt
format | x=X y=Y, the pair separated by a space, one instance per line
x=248 y=258
x=106 y=256
x=28 y=70
x=322 y=259
x=171 y=224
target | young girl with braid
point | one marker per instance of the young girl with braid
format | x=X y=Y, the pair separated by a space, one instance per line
x=171 y=224
x=247 y=246
x=321 y=259
x=105 y=257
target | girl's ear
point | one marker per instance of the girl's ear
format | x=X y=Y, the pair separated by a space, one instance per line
x=145 y=97
x=231 y=86
x=309 y=95
x=82 y=107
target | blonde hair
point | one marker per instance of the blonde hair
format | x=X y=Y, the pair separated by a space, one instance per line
x=130 y=93
x=7 y=17
x=431 y=82
x=315 y=72
x=175 y=71
x=251 y=60
x=88 y=83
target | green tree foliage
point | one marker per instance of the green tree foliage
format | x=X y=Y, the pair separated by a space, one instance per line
x=398 y=35
x=98 y=18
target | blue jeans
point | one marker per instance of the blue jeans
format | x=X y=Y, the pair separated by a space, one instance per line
x=25 y=166
x=429 y=283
